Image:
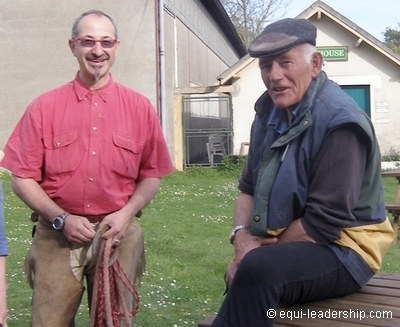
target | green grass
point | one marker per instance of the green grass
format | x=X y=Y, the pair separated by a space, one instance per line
x=186 y=231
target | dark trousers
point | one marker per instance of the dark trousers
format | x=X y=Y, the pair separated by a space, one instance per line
x=285 y=274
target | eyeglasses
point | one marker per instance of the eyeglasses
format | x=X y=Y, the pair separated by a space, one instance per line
x=90 y=43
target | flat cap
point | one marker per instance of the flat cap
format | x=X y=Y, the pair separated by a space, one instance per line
x=283 y=35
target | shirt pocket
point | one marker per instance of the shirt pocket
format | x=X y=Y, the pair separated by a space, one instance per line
x=126 y=156
x=61 y=153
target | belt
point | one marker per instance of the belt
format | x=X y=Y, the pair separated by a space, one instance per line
x=92 y=219
x=95 y=219
x=99 y=218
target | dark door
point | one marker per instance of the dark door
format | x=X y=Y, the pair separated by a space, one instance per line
x=361 y=95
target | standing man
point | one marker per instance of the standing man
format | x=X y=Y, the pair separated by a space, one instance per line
x=84 y=156
x=310 y=221
x=3 y=256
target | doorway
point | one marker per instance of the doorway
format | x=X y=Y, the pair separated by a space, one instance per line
x=361 y=95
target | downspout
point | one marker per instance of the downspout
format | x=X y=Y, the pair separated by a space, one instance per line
x=162 y=66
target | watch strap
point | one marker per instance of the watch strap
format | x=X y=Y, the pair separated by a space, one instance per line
x=235 y=230
x=61 y=217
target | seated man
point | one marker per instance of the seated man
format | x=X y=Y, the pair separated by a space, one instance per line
x=310 y=221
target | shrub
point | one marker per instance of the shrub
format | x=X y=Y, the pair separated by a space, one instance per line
x=391 y=155
x=232 y=165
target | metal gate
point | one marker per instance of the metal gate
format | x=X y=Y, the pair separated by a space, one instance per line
x=207 y=129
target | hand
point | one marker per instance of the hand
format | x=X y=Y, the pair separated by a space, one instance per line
x=295 y=232
x=245 y=242
x=78 y=229
x=118 y=223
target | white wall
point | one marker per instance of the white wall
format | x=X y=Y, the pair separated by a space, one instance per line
x=365 y=66
x=246 y=91
x=36 y=56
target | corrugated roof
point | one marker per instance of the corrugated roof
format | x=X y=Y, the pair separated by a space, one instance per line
x=217 y=11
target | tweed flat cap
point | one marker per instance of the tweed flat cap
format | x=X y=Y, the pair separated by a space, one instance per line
x=283 y=35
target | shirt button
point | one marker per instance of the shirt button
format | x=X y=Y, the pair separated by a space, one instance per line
x=91 y=179
x=93 y=153
x=95 y=128
x=88 y=205
x=95 y=104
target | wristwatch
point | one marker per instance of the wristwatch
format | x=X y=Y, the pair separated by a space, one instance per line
x=58 y=222
x=235 y=230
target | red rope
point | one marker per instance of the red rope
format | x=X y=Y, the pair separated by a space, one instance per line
x=110 y=282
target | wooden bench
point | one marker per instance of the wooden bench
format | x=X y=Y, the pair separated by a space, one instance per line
x=394 y=210
x=380 y=297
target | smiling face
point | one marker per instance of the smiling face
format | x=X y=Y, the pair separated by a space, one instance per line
x=287 y=76
x=96 y=61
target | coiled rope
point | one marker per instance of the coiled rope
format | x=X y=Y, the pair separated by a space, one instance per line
x=110 y=282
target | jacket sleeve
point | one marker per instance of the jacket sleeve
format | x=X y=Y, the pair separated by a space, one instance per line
x=335 y=184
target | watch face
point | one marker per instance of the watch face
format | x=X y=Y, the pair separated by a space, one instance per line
x=58 y=223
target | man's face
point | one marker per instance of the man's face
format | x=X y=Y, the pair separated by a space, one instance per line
x=287 y=76
x=94 y=61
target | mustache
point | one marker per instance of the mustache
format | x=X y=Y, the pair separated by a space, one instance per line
x=92 y=56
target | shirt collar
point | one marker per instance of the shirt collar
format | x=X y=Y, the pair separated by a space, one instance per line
x=82 y=91
x=279 y=119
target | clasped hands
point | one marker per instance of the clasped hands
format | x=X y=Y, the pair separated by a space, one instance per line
x=245 y=242
x=78 y=229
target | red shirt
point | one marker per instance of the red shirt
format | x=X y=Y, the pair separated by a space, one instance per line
x=88 y=149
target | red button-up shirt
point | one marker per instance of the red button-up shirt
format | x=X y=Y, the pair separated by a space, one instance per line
x=89 y=149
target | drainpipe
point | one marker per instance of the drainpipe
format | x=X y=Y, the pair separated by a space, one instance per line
x=162 y=66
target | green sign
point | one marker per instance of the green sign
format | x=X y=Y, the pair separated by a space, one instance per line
x=333 y=53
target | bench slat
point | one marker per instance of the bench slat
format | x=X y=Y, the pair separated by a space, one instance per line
x=318 y=322
x=382 y=294
x=385 y=276
x=345 y=305
x=374 y=290
x=339 y=320
x=388 y=283
x=374 y=299
x=392 y=206
x=322 y=323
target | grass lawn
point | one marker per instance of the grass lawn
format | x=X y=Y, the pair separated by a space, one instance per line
x=186 y=230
